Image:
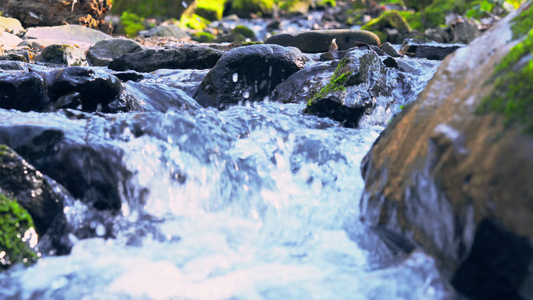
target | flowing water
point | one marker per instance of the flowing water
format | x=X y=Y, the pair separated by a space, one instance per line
x=255 y=202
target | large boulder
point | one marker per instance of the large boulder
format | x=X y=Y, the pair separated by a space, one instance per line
x=89 y=13
x=248 y=73
x=320 y=40
x=188 y=56
x=451 y=173
x=72 y=33
x=352 y=91
x=11 y=25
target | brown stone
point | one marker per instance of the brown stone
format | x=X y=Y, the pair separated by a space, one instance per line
x=89 y=13
x=457 y=182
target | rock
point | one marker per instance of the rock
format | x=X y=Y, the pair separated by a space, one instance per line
x=12 y=65
x=389 y=49
x=83 y=87
x=11 y=25
x=32 y=189
x=62 y=54
x=15 y=223
x=188 y=56
x=77 y=158
x=233 y=80
x=8 y=40
x=71 y=33
x=390 y=27
x=303 y=84
x=23 y=90
x=439 y=34
x=158 y=97
x=428 y=49
x=451 y=173
x=245 y=8
x=89 y=13
x=319 y=40
x=143 y=8
x=464 y=31
x=103 y=52
x=167 y=31
x=49 y=90
x=358 y=80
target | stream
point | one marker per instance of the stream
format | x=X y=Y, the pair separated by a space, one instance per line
x=258 y=201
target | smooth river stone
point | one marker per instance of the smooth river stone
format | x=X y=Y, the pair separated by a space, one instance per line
x=319 y=40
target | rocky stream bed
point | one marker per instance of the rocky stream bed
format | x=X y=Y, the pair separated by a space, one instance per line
x=319 y=164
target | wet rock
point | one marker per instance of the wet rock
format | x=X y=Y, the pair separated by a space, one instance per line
x=32 y=189
x=72 y=33
x=77 y=158
x=232 y=80
x=89 y=13
x=93 y=91
x=14 y=57
x=389 y=50
x=319 y=40
x=428 y=49
x=11 y=25
x=189 y=56
x=360 y=77
x=103 y=52
x=63 y=55
x=12 y=65
x=302 y=85
x=8 y=40
x=158 y=97
x=451 y=172
x=23 y=90
x=390 y=27
x=167 y=31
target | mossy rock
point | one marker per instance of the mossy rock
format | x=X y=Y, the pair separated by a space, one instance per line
x=243 y=8
x=512 y=80
x=151 y=8
x=130 y=24
x=244 y=31
x=15 y=222
x=390 y=19
x=211 y=10
x=326 y=3
x=435 y=14
x=194 y=21
x=203 y=37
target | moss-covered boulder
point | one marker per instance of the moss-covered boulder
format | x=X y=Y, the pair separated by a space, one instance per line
x=151 y=8
x=452 y=173
x=16 y=233
x=211 y=10
x=390 y=27
x=244 y=8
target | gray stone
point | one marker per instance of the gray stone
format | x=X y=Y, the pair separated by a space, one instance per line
x=319 y=40
x=428 y=49
x=8 y=40
x=72 y=33
x=62 y=54
x=11 y=25
x=103 y=52
x=166 y=31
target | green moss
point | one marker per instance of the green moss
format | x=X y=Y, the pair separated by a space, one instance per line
x=132 y=23
x=414 y=19
x=14 y=222
x=327 y=3
x=211 y=10
x=336 y=83
x=3 y=149
x=194 y=22
x=203 y=37
x=389 y=19
x=243 y=8
x=435 y=14
x=149 y=8
x=512 y=86
x=245 y=31
x=522 y=23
